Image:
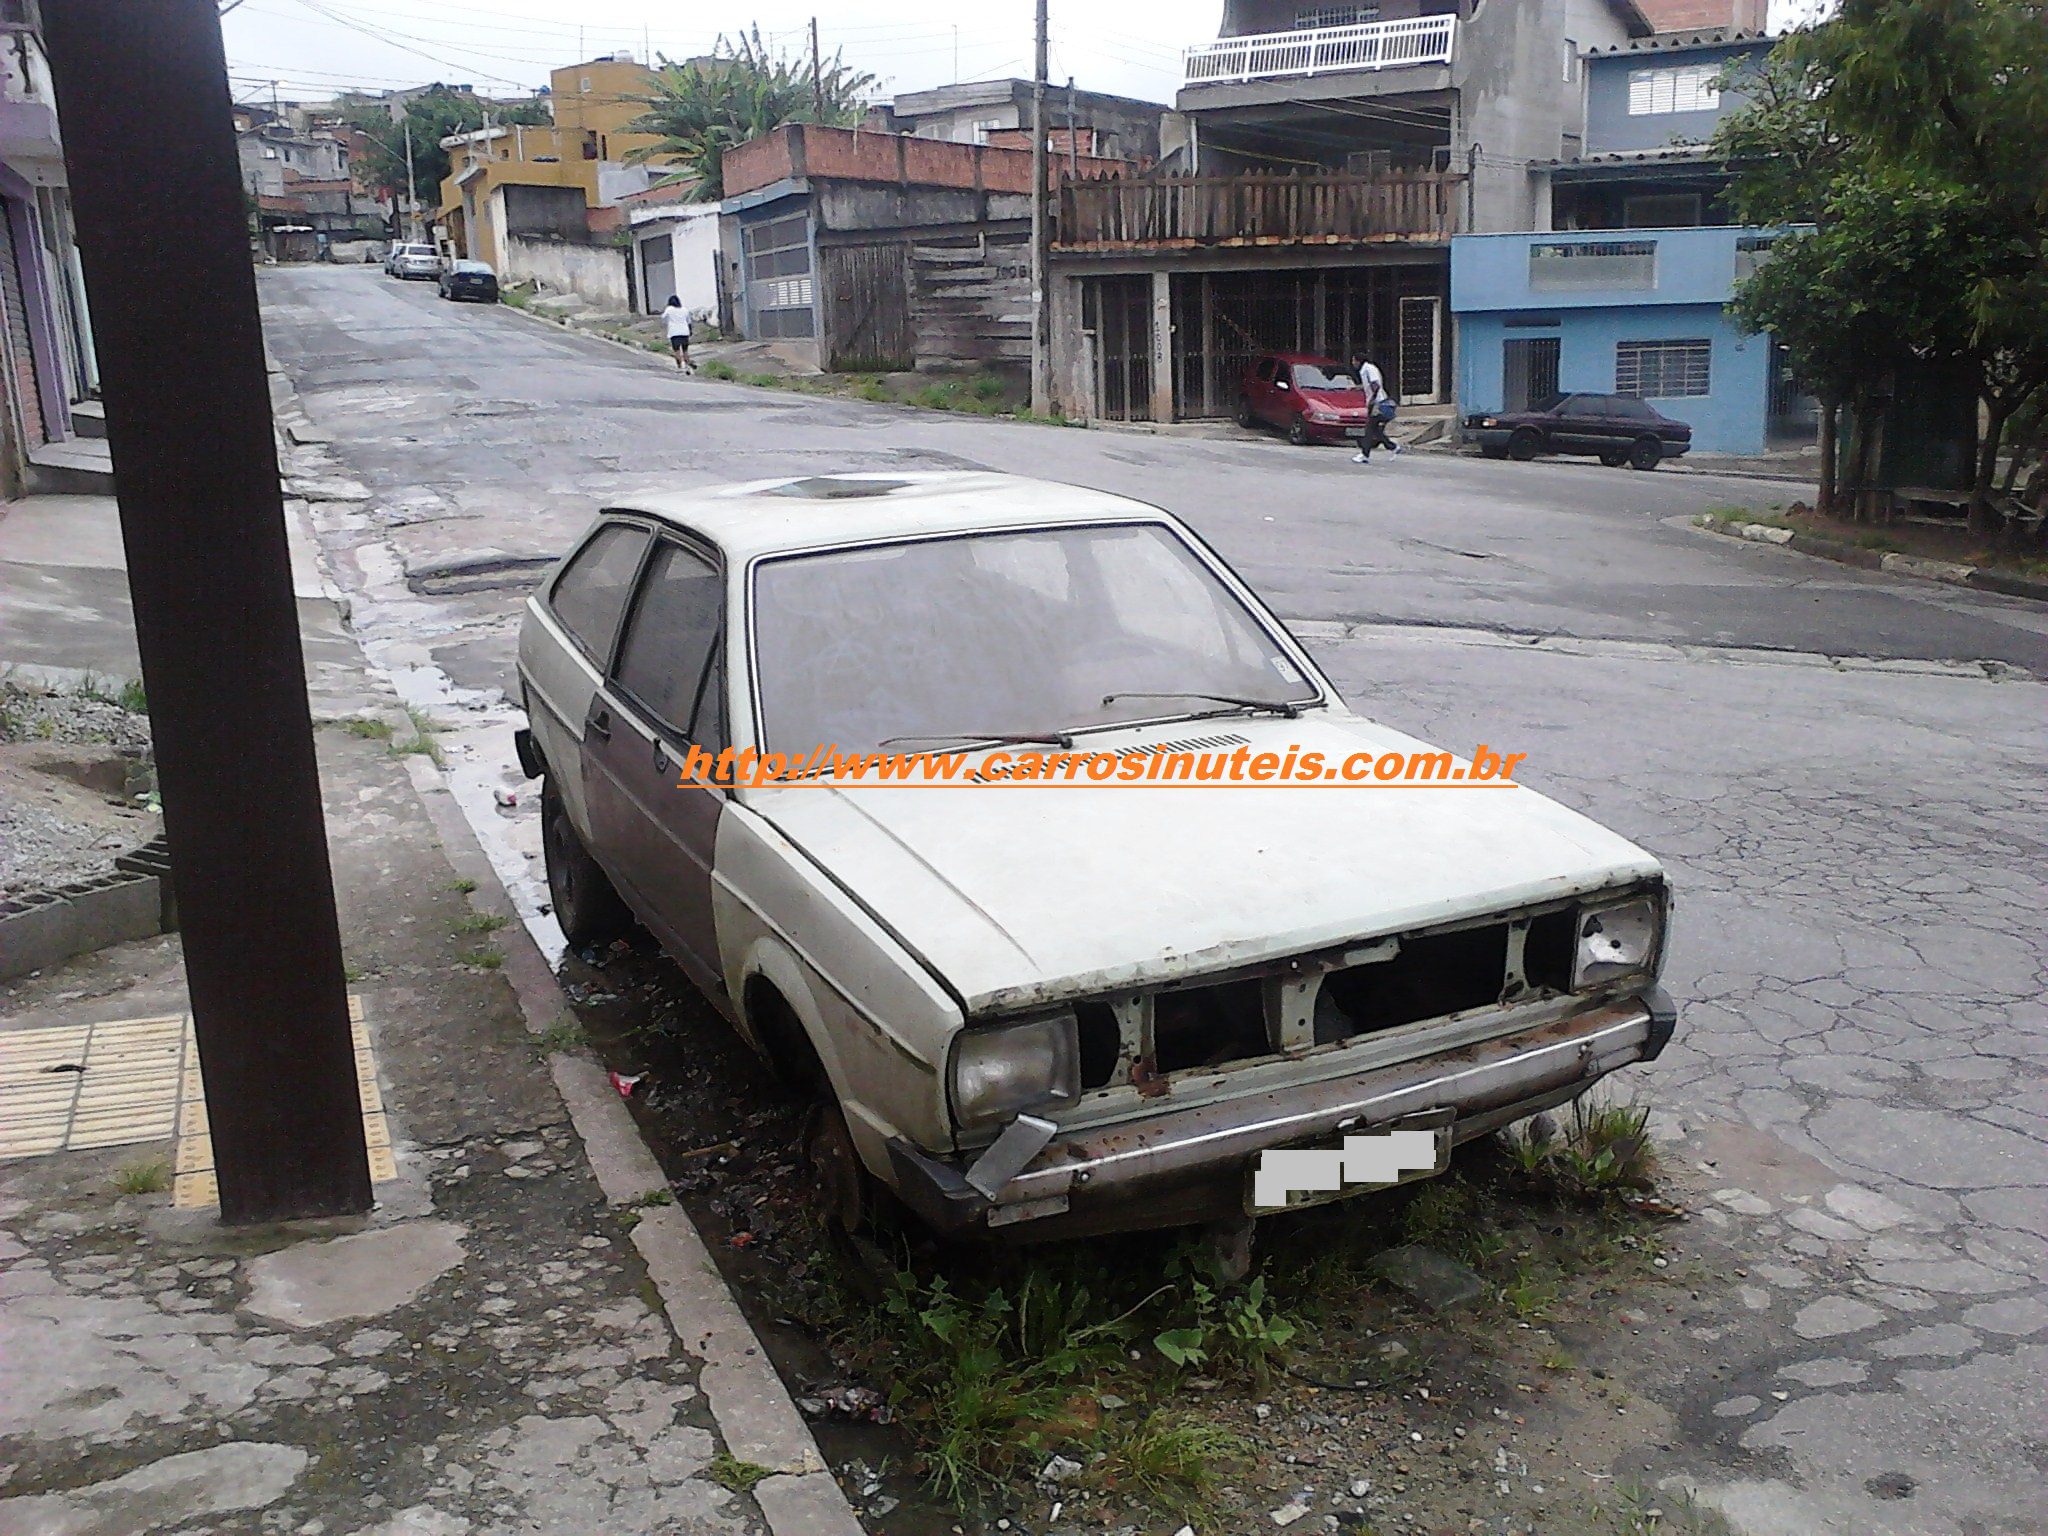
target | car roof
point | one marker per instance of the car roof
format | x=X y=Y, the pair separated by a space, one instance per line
x=789 y=515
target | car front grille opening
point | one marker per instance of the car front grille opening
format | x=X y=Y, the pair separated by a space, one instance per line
x=1208 y=1026
x=1102 y=1045
x=1432 y=976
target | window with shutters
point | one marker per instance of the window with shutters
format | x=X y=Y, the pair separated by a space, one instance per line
x=1674 y=88
x=1663 y=370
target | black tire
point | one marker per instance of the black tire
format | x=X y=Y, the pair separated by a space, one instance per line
x=1646 y=453
x=845 y=1191
x=588 y=908
x=1297 y=432
x=1525 y=445
x=1246 y=417
x=1614 y=458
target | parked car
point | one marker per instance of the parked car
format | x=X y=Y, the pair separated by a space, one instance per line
x=1616 y=429
x=1065 y=1008
x=414 y=260
x=1312 y=399
x=470 y=280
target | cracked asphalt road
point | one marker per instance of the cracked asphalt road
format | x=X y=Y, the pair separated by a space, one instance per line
x=1857 y=826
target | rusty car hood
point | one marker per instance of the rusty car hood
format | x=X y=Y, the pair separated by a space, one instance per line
x=1016 y=896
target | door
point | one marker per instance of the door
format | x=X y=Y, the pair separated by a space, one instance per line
x=658 y=273
x=1528 y=372
x=656 y=834
x=1117 y=311
x=1421 y=347
x=1588 y=424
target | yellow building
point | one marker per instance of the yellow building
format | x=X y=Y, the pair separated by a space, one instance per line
x=544 y=181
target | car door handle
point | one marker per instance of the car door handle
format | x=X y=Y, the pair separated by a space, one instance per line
x=601 y=725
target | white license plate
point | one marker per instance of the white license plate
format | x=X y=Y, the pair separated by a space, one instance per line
x=1287 y=1178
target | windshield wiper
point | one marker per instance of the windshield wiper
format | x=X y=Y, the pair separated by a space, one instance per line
x=1285 y=707
x=1060 y=739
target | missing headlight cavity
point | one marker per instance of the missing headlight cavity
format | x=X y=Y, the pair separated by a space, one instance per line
x=1207 y=1026
x=1433 y=975
x=1547 y=953
x=1101 y=1043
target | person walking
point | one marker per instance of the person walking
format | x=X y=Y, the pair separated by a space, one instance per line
x=677 y=319
x=1377 y=404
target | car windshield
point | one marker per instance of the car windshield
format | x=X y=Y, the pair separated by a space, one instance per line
x=1310 y=376
x=958 y=639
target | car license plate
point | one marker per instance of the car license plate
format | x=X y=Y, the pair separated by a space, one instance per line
x=1355 y=1163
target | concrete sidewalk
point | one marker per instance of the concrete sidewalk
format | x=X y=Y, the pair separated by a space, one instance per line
x=525 y=1336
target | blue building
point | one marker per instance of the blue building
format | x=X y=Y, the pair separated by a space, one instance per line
x=1625 y=291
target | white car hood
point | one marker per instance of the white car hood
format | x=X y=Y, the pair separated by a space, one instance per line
x=1021 y=895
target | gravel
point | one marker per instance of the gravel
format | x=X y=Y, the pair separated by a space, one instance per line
x=53 y=832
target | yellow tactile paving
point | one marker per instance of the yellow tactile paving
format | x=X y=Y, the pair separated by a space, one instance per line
x=79 y=1086
x=194 y=1188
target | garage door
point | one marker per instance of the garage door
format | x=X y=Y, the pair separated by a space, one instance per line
x=21 y=358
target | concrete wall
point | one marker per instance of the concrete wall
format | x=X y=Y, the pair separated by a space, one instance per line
x=1610 y=128
x=595 y=273
x=1519 y=102
x=1692 y=266
x=692 y=238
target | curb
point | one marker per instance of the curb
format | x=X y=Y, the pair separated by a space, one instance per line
x=2005 y=583
x=755 y=1413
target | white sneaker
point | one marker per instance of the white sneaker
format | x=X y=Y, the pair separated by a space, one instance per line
x=1359 y=458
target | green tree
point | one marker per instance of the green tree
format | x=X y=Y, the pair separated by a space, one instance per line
x=1908 y=125
x=700 y=108
x=435 y=114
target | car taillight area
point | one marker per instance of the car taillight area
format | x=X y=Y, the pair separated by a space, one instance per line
x=1369 y=989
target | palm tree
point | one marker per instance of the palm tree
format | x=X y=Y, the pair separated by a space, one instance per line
x=702 y=107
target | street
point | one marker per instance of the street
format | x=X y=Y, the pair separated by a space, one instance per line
x=1842 y=771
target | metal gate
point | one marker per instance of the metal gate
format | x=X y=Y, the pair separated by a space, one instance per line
x=1528 y=371
x=21 y=357
x=1421 y=343
x=658 y=273
x=1117 y=311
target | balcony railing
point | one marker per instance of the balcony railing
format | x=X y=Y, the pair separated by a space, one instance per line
x=1169 y=212
x=1324 y=50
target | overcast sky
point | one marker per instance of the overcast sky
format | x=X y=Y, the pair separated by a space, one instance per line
x=316 y=47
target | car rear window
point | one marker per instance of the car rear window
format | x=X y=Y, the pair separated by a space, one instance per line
x=590 y=594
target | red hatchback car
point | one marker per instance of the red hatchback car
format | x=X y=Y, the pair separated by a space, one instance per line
x=1313 y=399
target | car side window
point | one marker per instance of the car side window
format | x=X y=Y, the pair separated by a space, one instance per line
x=669 y=662
x=1584 y=405
x=1266 y=371
x=590 y=594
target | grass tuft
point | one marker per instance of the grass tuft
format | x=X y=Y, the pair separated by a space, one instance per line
x=565 y=1034
x=150 y=1178
x=368 y=727
x=481 y=922
x=728 y=1471
x=484 y=959
x=462 y=884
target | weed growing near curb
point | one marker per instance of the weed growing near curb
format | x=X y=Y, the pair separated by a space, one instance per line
x=424 y=742
x=565 y=1034
x=484 y=959
x=481 y=922
x=150 y=1178
x=462 y=884
x=1170 y=1461
x=368 y=727
x=728 y=1471
x=132 y=697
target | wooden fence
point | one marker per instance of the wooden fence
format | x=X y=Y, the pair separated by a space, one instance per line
x=1188 y=211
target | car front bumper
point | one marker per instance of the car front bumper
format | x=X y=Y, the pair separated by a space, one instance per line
x=1182 y=1166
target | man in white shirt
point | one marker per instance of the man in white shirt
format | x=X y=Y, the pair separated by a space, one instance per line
x=1374 y=433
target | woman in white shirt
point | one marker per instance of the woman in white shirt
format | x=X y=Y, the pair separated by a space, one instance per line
x=677 y=319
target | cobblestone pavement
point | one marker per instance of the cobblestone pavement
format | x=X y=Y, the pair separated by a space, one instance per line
x=1854 y=823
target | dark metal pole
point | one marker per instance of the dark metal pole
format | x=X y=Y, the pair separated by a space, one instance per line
x=1041 y=226
x=166 y=254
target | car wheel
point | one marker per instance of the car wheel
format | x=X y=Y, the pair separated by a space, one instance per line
x=588 y=908
x=1525 y=445
x=845 y=1190
x=1614 y=458
x=1297 y=432
x=1246 y=416
x=1647 y=453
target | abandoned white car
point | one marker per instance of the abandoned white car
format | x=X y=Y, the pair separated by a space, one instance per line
x=1094 y=1001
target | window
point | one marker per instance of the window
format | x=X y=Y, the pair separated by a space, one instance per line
x=665 y=662
x=1580 y=264
x=985 y=127
x=1751 y=252
x=591 y=592
x=1675 y=88
x=1663 y=370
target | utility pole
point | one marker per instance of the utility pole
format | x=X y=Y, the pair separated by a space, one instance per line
x=1073 y=132
x=203 y=522
x=1041 y=230
x=817 y=77
x=412 y=197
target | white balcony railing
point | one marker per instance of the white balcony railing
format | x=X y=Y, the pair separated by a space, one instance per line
x=1322 y=51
